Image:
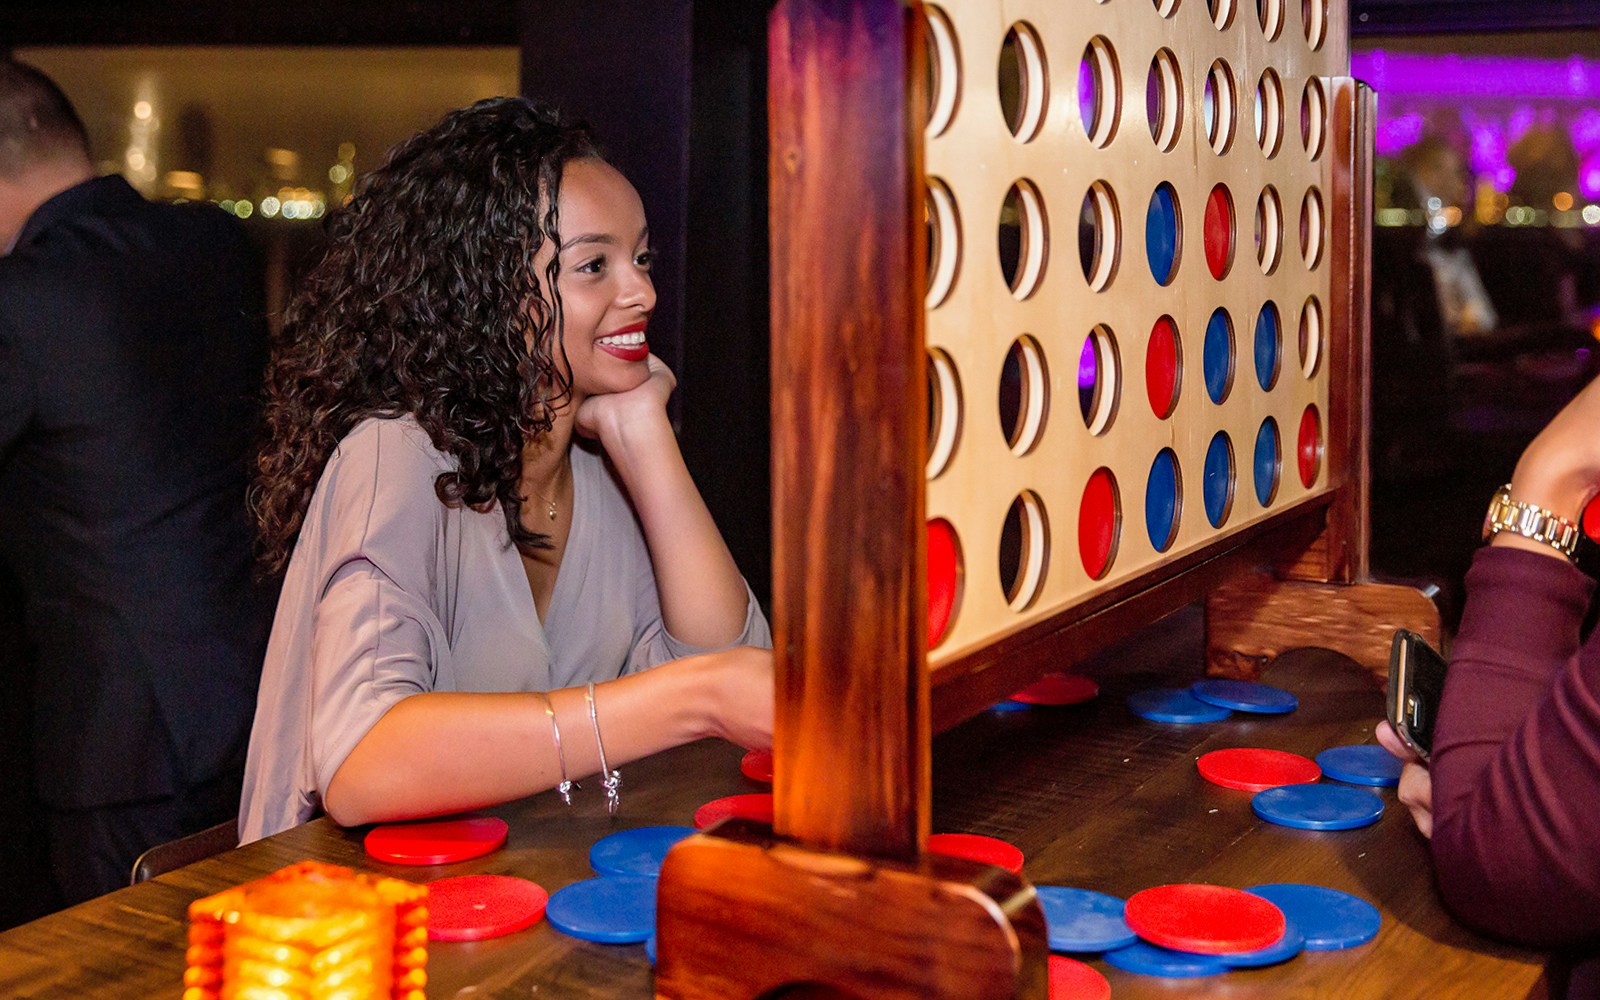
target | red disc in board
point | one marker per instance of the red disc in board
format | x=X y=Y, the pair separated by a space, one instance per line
x=1098 y=515
x=989 y=850
x=1219 y=232
x=475 y=907
x=1310 y=446
x=757 y=807
x=1591 y=519
x=757 y=766
x=1070 y=979
x=1206 y=919
x=437 y=842
x=944 y=577
x=1254 y=769
x=1059 y=689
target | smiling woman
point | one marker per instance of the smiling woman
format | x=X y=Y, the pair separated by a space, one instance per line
x=488 y=534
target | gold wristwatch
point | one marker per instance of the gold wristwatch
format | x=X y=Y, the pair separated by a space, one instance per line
x=1529 y=521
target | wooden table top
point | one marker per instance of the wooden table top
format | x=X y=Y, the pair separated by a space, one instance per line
x=1094 y=797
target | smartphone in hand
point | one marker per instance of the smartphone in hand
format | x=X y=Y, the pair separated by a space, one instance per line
x=1416 y=683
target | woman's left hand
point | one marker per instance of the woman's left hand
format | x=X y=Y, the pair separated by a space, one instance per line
x=1416 y=781
x=603 y=415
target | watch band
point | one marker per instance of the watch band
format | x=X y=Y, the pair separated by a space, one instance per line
x=1529 y=521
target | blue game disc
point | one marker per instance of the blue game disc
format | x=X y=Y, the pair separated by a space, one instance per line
x=1318 y=807
x=1245 y=696
x=1268 y=462
x=1217 y=480
x=1152 y=960
x=1291 y=944
x=1328 y=918
x=1174 y=705
x=611 y=909
x=1083 y=920
x=1010 y=706
x=1267 y=327
x=1216 y=356
x=650 y=948
x=1368 y=764
x=639 y=851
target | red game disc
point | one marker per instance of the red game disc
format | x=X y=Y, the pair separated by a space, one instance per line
x=757 y=766
x=1070 y=979
x=1591 y=519
x=1253 y=769
x=1205 y=919
x=989 y=850
x=438 y=842
x=474 y=907
x=1059 y=689
x=757 y=807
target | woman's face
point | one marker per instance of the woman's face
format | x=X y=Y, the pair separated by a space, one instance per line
x=606 y=293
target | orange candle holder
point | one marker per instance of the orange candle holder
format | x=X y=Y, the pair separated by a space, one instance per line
x=310 y=931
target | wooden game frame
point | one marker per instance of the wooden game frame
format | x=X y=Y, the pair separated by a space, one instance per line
x=838 y=892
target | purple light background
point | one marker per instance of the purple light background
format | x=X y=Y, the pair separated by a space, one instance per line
x=1497 y=98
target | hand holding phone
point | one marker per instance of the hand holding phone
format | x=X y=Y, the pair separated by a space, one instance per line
x=1416 y=685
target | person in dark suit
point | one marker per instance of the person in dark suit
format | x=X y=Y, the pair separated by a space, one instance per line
x=132 y=342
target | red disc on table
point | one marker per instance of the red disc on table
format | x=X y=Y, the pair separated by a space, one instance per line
x=1070 y=979
x=1161 y=367
x=1205 y=919
x=1059 y=689
x=1591 y=519
x=475 y=907
x=1219 y=232
x=989 y=850
x=757 y=766
x=944 y=577
x=757 y=807
x=437 y=842
x=1310 y=446
x=1255 y=769
x=1098 y=518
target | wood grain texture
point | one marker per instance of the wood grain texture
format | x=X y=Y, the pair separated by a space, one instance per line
x=743 y=914
x=1252 y=620
x=1093 y=797
x=849 y=393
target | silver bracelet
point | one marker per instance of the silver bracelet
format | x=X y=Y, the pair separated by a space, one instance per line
x=609 y=780
x=567 y=785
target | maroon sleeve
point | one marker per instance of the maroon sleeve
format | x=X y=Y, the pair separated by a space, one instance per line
x=1516 y=763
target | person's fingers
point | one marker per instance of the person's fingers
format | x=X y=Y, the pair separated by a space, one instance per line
x=1416 y=793
x=1391 y=741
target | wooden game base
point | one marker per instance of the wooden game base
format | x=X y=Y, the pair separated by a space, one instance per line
x=1253 y=618
x=745 y=915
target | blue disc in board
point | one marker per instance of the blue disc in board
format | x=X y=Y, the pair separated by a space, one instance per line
x=1268 y=462
x=1216 y=482
x=1083 y=920
x=1174 y=705
x=1267 y=339
x=1161 y=233
x=611 y=909
x=639 y=851
x=1216 y=356
x=1161 y=500
x=1367 y=764
x=1148 y=959
x=1291 y=944
x=1318 y=807
x=1244 y=696
x=1328 y=918
x=650 y=948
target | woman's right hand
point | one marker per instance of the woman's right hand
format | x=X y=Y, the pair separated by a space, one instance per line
x=1416 y=781
x=739 y=689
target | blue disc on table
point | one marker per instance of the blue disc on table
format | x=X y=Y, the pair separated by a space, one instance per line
x=1161 y=500
x=1367 y=764
x=639 y=851
x=1268 y=337
x=1083 y=920
x=1174 y=705
x=1010 y=706
x=1161 y=233
x=1216 y=356
x=1291 y=944
x=611 y=909
x=1152 y=960
x=1318 y=807
x=650 y=948
x=1245 y=696
x=1216 y=482
x=1328 y=918
x=1268 y=462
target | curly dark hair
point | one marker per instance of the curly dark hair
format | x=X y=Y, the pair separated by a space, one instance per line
x=426 y=302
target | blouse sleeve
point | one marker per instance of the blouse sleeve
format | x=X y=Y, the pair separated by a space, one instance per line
x=1516 y=765
x=377 y=636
